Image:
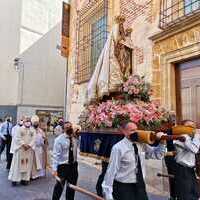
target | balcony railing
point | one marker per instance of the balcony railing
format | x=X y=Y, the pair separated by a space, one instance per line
x=174 y=11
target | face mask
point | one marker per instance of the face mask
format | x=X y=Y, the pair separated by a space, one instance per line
x=60 y=123
x=134 y=137
x=35 y=125
x=27 y=124
x=20 y=123
x=70 y=131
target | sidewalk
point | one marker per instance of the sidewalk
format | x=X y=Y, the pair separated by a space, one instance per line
x=42 y=189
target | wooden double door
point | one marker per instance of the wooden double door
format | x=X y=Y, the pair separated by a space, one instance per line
x=188 y=90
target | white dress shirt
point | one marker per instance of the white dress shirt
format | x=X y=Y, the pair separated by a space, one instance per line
x=14 y=132
x=61 y=150
x=58 y=130
x=3 y=129
x=15 y=129
x=186 y=150
x=123 y=164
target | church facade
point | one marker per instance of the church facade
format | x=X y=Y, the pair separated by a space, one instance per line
x=166 y=49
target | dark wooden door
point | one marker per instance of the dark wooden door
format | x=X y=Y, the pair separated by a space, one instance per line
x=188 y=90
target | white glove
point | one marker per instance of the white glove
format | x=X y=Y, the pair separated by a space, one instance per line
x=160 y=134
x=3 y=137
x=108 y=197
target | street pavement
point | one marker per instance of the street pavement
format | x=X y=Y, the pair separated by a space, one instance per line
x=41 y=189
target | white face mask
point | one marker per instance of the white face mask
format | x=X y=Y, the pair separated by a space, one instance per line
x=27 y=124
x=21 y=123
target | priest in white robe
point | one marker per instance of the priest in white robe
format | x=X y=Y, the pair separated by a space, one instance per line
x=39 y=163
x=23 y=151
x=14 y=131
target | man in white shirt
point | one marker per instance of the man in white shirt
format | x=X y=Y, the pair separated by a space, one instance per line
x=59 y=128
x=186 y=185
x=1 y=139
x=124 y=177
x=65 y=164
x=5 y=134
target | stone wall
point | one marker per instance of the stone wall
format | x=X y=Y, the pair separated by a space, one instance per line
x=169 y=50
x=142 y=17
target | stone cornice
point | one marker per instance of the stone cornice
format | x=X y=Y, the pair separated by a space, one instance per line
x=178 y=27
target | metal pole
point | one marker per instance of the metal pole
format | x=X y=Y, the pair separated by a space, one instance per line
x=66 y=93
x=22 y=84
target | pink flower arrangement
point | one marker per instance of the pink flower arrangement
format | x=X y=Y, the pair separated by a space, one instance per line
x=136 y=87
x=105 y=113
x=135 y=107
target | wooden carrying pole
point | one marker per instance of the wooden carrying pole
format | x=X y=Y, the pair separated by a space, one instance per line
x=84 y=191
x=77 y=188
x=165 y=175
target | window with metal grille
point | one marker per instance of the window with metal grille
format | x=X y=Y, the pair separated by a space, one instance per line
x=191 y=5
x=92 y=35
x=173 y=11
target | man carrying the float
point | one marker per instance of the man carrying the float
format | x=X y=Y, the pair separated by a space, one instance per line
x=124 y=177
x=170 y=155
x=23 y=152
x=186 y=185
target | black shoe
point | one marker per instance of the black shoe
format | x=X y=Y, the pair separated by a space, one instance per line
x=14 y=183
x=24 y=183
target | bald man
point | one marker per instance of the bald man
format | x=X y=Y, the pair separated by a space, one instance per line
x=124 y=177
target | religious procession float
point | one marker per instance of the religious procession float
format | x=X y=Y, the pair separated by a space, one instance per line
x=114 y=95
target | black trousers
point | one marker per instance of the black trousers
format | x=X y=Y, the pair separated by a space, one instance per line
x=7 y=143
x=171 y=169
x=2 y=146
x=128 y=191
x=186 y=183
x=8 y=154
x=69 y=173
x=101 y=178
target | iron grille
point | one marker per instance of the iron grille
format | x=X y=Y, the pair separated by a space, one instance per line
x=173 y=11
x=92 y=35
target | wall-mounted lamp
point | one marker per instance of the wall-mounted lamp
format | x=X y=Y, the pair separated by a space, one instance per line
x=17 y=63
x=58 y=47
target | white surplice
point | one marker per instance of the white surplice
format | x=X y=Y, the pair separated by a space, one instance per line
x=14 y=131
x=22 y=161
x=39 y=156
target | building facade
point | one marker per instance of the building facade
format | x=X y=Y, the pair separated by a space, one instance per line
x=166 y=49
x=32 y=72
